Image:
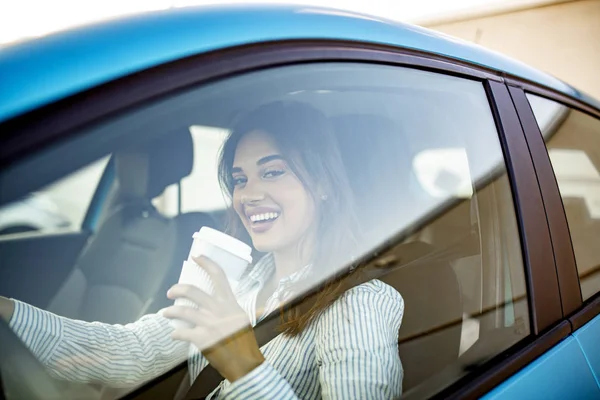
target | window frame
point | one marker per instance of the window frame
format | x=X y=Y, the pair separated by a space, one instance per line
x=36 y=130
x=577 y=311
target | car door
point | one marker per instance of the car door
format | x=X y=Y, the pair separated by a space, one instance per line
x=447 y=195
x=562 y=135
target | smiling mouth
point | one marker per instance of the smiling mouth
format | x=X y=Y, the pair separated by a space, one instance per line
x=262 y=222
x=263 y=218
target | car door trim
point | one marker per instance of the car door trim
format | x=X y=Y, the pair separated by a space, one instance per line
x=564 y=256
x=542 y=286
x=505 y=367
x=579 y=312
x=550 y=94
x=590 y=310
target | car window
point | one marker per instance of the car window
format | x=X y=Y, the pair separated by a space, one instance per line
x=573 y=144
x=380 y=220
x=54 y=207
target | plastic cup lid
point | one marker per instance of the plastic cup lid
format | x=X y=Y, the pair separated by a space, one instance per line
x=226 y=242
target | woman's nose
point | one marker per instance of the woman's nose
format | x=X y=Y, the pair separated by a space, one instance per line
x=253 y=197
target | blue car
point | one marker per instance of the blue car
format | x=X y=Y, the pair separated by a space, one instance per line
x=442 y=200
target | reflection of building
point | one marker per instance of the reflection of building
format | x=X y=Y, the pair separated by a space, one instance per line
x=557 y=36
x=577 y=178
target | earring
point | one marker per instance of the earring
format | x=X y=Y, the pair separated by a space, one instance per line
x=324 y=197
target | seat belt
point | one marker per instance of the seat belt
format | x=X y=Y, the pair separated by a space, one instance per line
x=209 y=378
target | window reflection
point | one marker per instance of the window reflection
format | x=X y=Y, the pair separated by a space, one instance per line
x=577 y=177
x=444 y=172
x=573 y=141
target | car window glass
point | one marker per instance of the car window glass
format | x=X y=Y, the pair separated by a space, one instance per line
x=387 y=183
x=572 y=139
x=200 y=190
x=54 y=207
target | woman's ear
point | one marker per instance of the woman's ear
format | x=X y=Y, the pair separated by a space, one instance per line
x=322 y=192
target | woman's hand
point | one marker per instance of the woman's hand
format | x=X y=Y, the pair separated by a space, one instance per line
x=7 y=307
x=222 y=331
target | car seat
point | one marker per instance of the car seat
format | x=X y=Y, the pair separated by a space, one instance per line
x=186 y=224
x=118 y=274
x=378 y=162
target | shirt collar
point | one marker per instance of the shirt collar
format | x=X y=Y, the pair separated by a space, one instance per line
x=264 y=269
x=297 y=276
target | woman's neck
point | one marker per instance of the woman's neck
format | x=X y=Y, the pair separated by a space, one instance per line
x=293 y=258
x=286 y=263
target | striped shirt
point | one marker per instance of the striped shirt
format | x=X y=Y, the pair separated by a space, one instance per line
x=349 y=351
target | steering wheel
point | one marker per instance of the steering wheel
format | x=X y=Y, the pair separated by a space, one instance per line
x=23 y=376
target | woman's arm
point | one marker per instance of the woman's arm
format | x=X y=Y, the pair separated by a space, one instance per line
x=263 y=382
x=115 y=355
x=357 y=344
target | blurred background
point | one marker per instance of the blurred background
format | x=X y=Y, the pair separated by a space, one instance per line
x=561 y=37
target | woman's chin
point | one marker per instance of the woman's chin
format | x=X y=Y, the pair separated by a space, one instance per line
x=263 y=247
x=266 y=243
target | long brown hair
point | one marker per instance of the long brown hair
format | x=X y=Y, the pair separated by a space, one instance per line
x=306 y=140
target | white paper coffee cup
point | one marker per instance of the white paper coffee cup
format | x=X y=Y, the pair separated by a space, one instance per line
x=226 y=251
x=229 y=253
x=191 y=274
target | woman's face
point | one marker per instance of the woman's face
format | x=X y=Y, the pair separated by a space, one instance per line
x=275 y=208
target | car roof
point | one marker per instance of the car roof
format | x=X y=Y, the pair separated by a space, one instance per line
x=40 y=71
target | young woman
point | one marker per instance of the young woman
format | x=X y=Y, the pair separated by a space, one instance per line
x=282 y=168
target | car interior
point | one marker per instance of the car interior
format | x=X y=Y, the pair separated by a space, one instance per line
x=450 y=257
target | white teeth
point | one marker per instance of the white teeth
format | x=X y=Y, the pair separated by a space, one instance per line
x=263 y=217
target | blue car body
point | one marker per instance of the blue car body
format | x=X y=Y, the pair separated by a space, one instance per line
x=576 y=359
x=38 y=72
x=52 y=67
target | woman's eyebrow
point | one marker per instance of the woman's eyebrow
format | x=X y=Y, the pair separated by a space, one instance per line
x=236 y=169
x=266 y=159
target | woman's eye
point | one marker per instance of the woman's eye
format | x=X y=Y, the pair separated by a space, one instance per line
x=273 y=173
x=239 y=180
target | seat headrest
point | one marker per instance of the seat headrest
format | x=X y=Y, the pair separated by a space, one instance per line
x=370 y=143
x=145 y=171
x=378 y=162
x=171 y=159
